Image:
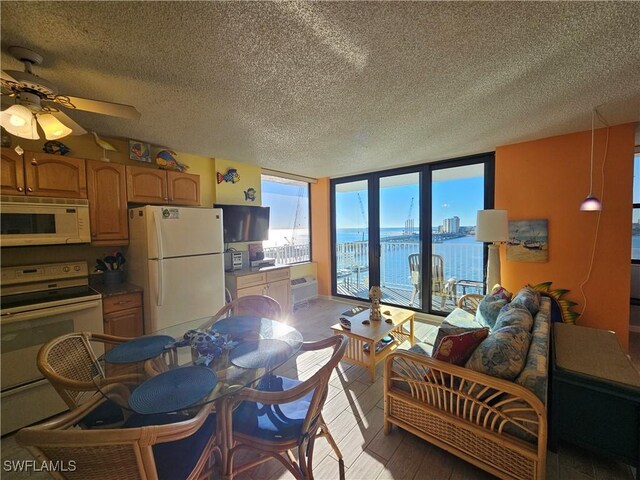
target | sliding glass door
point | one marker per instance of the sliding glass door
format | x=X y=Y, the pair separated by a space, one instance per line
x=400 y=239
x=351 y=239
x=385 y=224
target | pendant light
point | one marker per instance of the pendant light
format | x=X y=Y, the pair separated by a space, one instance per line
x=591 y=203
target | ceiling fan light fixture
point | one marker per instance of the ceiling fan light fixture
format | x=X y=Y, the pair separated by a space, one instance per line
x=52 y=127
x=18 y=120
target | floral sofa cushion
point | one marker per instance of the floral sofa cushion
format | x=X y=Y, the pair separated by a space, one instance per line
x=528 y=297
x=514 y=315
x=488 y=310
x=502 y=354
x=534 y=376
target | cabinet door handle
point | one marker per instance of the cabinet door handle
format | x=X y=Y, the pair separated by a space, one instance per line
x=123 y=302
x=20 y=189
x=29 y=189
x=34 y=162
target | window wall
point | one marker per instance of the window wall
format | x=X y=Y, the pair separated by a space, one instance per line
x=385 y=223
x=289 y=223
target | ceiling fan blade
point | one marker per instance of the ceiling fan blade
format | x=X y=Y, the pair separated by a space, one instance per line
x=68 y=122
x=98 y=106
x=6 y=77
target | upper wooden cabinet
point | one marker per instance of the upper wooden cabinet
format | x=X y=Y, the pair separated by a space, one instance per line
x=11 y=172
x=183 y=188
x=107 y=190
x=149 y=185
x=43 y=175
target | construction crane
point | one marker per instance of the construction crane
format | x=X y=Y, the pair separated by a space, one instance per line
x=364 y=217
x=408 y=224
x=296 y=216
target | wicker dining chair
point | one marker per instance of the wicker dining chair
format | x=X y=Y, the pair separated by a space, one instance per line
x=275 y=423
x=68 y=362
x=164 y=447
x=253 y=305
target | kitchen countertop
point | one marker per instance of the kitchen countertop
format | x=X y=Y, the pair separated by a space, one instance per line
x=248 y=271
x=119 y=289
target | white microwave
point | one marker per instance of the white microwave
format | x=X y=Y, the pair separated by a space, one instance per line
x=43 y=221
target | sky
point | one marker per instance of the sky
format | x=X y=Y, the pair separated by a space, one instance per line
x=463 y=197
x=283 y=200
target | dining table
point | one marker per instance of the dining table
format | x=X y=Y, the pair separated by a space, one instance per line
x=192 y=364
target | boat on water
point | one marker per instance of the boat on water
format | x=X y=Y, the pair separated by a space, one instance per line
x=533 y=245
x=513 y=241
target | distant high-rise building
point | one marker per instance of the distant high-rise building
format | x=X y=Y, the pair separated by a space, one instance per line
x=451 y=225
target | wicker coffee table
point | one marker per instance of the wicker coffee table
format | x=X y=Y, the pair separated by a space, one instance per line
x=363 y=338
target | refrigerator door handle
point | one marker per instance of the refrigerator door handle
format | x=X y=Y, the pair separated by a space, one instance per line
x=156 y=222
x=160 y=293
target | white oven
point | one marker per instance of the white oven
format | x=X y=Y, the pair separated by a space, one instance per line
x=32 y=313
x=43 y=221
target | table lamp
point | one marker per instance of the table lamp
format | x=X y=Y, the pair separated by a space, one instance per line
x=492 y=227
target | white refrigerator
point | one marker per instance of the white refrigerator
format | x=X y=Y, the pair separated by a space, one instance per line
x=176 y=255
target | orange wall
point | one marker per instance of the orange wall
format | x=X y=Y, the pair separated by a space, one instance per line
x=548 y=178
x=321 y=233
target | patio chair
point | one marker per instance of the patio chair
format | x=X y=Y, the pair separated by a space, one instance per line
x=165 y=447
x=68 y=363
x=439 y=287
x=274 y=423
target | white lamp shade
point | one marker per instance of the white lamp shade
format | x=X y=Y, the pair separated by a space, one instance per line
x=52 y=127
x=19 y=121
x=591 y=204
x=492 y=226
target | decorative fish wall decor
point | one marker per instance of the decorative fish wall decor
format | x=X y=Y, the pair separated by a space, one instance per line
x=250 y=194
x=231 y=176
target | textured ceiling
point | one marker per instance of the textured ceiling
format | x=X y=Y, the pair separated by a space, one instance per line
x=326 y=89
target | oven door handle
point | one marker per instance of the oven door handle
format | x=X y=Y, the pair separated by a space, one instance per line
x=48 y=312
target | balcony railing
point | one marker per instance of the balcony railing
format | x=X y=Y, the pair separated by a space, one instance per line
x=463 y=268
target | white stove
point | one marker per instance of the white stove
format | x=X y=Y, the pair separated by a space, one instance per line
x=39 y=303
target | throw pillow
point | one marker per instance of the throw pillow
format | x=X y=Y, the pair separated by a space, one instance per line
x=446 y=329
x=457 y=349
x=528 y=297
x=516 y=315
x=488 y=310
x=502 y=354
x=501 y=292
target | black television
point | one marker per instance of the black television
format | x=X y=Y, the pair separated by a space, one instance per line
x=244 y=223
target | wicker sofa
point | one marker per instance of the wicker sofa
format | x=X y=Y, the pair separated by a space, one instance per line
x=495 y=424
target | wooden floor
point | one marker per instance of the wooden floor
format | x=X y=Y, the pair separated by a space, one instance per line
x=354 y=413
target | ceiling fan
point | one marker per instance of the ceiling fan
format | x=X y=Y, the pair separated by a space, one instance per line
x=37 y=102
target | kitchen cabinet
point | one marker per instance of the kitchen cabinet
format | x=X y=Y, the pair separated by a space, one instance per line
x=163 y=187
x=107 y=192
x=43 y=175
x=12 y=173
x=122 y=314
x=274 y=283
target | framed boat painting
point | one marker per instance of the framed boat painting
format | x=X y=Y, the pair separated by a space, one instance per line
x=528 y=241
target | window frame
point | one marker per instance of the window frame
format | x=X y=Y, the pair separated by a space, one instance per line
x=425 y=170
x=309 y=203
x=634 y=206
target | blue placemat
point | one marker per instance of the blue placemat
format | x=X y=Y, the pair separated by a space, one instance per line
x=138 y=349
x=237 y=325
x=173 y=390
x=260 y=353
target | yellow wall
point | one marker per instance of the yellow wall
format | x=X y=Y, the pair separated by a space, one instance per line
x=233 y=193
